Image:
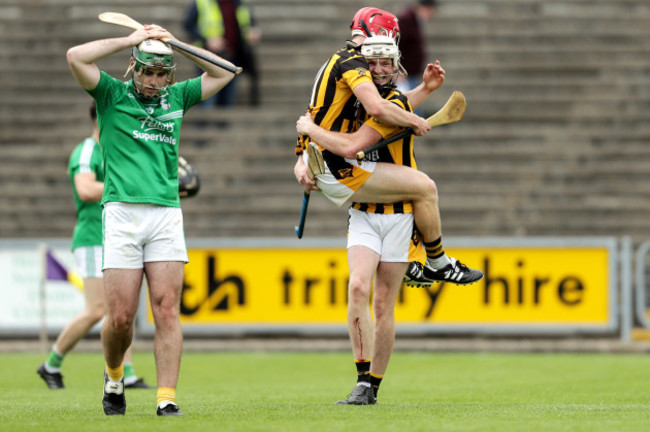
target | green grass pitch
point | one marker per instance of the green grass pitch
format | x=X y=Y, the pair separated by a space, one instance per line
x=294 y=392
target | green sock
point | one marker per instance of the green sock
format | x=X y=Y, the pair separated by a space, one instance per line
x=55 y=359
x=129 y=370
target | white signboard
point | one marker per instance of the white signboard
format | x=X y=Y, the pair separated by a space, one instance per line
x=20 y=278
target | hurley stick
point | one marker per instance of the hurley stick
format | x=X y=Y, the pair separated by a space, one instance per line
x=451 y=112
x=315 y=166
x=123 y=20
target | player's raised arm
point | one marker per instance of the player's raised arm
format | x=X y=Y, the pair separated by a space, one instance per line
x=82 y=58
x=215 y=77
x=432 y=79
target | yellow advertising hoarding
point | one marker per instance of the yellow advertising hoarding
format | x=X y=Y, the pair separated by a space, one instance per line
x=523 y=286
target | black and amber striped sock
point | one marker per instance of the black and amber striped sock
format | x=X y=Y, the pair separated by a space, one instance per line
x=436 y=256
x=363 y=370
x=375 y=381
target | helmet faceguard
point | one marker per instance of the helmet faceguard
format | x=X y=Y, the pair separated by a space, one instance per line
x=370 y=21
x=383 y=47
x=152 y=55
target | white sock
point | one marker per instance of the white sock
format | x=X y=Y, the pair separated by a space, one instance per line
x=439 y=262
x=164 y=403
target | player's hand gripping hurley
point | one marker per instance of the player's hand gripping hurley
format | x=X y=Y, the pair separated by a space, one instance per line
x=451 y=112
x=123 y=20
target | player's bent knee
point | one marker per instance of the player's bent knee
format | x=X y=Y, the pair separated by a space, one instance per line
x=359 y=290
x=165 y=314
x=383 y=309
x=120 y=323
x=429 y=190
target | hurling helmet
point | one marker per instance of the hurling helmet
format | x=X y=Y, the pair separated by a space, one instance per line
x=378 y=47
x=153 y=54
x=370 y=21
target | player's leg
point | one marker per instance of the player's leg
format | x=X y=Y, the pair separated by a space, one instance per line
x=165 y=256
x=362 y=262
x=387 y=285
x=122 y=291
x=391 y=183
x=165 y=281
x=80 y=325
x=397 y=231
x=123 y=271
x=364 y=245
x=89 y=265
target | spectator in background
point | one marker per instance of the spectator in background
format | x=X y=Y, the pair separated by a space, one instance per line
x=412 y=42
x=226 y=28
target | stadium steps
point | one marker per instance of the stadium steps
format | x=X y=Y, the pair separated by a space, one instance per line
x=554 y=140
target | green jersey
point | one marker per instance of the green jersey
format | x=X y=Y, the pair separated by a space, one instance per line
x=87 y=158
x=140 y=140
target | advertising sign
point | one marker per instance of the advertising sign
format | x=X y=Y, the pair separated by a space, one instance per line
x=550 y=284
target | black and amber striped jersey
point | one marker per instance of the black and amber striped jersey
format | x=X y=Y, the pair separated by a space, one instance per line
x=332 y=104
x=400 y=152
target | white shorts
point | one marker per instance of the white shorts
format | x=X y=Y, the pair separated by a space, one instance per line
x=89 y=261
x=339 y=191
x=139 y=233
x=387 y=234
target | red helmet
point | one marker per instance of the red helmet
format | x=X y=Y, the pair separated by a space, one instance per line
x=375 y=21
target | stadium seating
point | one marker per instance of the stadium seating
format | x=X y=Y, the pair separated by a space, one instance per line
x=554 y=141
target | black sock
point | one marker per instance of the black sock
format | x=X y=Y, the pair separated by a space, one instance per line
x=375 y=381
x=363 y=370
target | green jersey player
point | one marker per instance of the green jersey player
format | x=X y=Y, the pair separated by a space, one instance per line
x=142 y=223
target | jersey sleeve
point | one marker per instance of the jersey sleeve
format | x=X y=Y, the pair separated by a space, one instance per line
x=191 y=90
x=354 y=71
x=105 y=91
x=73 y=163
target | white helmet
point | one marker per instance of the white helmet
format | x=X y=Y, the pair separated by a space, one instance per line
x=383 y=47
x=152 y=54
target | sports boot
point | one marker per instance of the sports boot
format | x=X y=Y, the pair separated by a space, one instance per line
x=138 y=384
x=361 y=395
x=169 y=409
x=455 y=272
x=54 y=380
x=114 y=401
x=414 y=276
